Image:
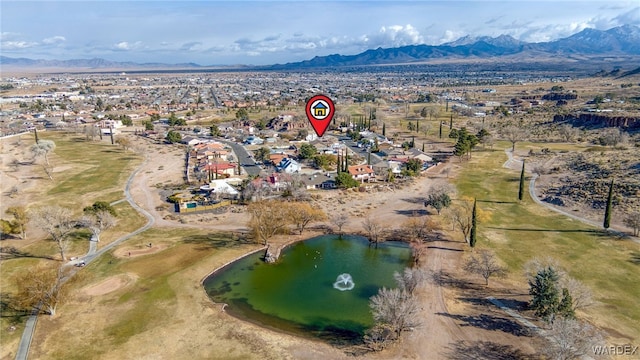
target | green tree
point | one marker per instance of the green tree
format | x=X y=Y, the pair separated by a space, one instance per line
x=126 y=120
x=413 y=167
x=474 y=223
x=423 y=112
x=466 y=142
x=262 y=154
x=148 y=125
x=307 y=151
x=242 y=114
x=384 y=129
x=438 y=199
x=173 y=137
x=344 y=180
x=565 y=308
x=214 y=130
x=607 y=211
x=440 y=131
x=99 y=206
x=546 y=299
x=521 y=186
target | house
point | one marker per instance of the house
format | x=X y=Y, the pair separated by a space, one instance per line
x=417 y=154
x=220 y=188
x=362 y=173
x=277 y=158
x=382 y=168
x=320 y=181
x=190 y=140
x=288 y=166
x=254 y=140
x=224 y=169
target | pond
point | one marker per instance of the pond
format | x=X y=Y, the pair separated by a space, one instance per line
x=319 y=287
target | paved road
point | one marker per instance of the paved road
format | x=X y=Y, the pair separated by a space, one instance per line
x=90 y=256
x=244 y=158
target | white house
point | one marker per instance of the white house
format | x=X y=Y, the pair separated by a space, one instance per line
x=289 y=166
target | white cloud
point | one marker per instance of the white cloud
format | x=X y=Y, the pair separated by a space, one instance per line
x=125 y=46
x=631 y=17
x=393 y=36
x=15 y=45
x=54 y=40
x=450 y=35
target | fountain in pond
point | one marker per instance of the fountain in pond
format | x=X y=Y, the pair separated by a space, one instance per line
x=344 y=282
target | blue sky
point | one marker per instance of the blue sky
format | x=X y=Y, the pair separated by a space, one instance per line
x=267 y=32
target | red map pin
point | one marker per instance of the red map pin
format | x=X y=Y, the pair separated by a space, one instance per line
x=320 y=110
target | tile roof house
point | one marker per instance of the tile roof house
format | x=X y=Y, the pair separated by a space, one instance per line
x=362 y=173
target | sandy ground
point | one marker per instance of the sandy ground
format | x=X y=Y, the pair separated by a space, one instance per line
x=455 y=317
x=109 y=285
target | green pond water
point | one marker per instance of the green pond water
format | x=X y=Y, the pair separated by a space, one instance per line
x=297 y=293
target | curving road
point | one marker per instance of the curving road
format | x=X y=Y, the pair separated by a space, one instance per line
x=512 y=163
x=30 y=325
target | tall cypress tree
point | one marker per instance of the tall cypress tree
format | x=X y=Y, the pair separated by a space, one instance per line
x=440 y=129
x=521 y=188
x=339 y=163
x=417 y=126
x=35 y=132
x=451 y=122
x=422 y=147
x=384 y=129
x=607 y=212
x=472 y=234
x=346 y=161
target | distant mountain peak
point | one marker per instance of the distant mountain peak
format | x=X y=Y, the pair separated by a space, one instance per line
x=499 y=41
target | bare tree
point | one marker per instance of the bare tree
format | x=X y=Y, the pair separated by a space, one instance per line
x=410 y=279
x=21 y=218
x=396 y=308
x=124 y=142
x=97 y=222
x=514 y=134
x=268 y=218
x=568 y=132
x=461 y=217
x=416 y=227
x=57 y=222
x=41 y=286
x=302 y=214
x=379 y=336
x=339 y=220
x=612 y=137
x=43 y=148
x=571 y=339
x=581 y=295
x=375 y=231
x=632 y=220
x=485 y=264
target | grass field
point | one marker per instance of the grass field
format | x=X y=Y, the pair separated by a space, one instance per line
x=164 y=300
x=519 y=232
x=85 y=172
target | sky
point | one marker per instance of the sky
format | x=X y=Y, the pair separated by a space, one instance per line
x=270 y=32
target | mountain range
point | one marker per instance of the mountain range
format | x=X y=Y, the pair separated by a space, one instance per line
x=619 y=41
